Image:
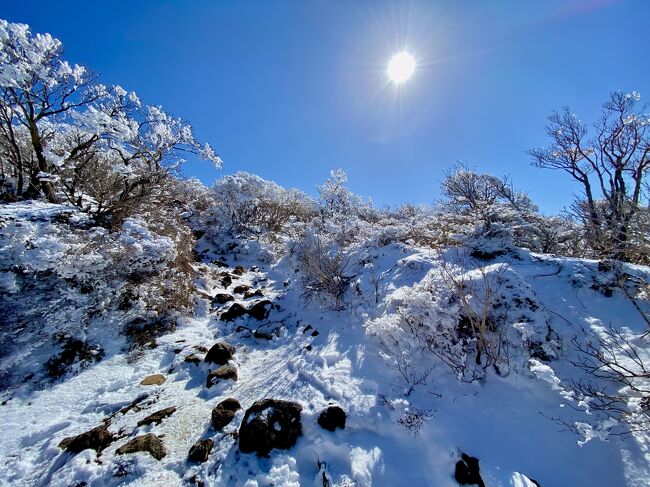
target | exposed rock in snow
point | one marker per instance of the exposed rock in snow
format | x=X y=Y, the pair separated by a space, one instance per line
x=146 y=443
x=269 y=424
x=220 y=353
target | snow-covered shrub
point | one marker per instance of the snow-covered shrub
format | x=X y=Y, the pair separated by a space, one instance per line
x=481 y=207
x=471 y=319
x=322 y=270
x=64 y=278
x=249 y=206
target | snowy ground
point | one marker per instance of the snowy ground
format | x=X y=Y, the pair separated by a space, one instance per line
x=504 y=421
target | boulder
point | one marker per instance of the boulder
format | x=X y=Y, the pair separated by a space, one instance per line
x=153 y=380
x=262 y=335
x=157 y=417
x=226 y=280
x=193 y=359
x=239 y=270
x=96 y=439
x=220 y=353
x=235 y=311
x=241 y=289
x=253 y=294
x=260 y=310
x=200 y=451
x=223 y=414
x=145 y=443
x=268 y=424
x=222 y=298
x=468 y=471
x=331 y=418
x=224 y=372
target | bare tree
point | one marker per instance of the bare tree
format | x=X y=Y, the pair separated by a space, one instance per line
x=610 y=162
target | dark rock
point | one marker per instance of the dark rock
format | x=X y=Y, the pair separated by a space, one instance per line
x=253 y=294
x=331 y=418
x=200 y=451
x=151 y=380
x=309 y=348
x=260 y=310
x=222 y=298
x=241 y=289
x=468 y=471
x=307 y=328
x=220 y=353
x=198 y=234
x=96 y=439
x=262 y=335
x=486 y=255
x=219 y=263
x=239 y=270
x=224 y=372
x=200 y=348
x=223 y=414
x=157 y=417
x=255 y=269
x=315 y=333
x=193 y=359
x=145 y=443
x=226 y=281
x=235 y=311
x=269 y=424
x=178 y=350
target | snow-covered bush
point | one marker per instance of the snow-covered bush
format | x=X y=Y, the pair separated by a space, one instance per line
x=322 y=269
x=249 y=206
x=64 y=278
x=471 y=318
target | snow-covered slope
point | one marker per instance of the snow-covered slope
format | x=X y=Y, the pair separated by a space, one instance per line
x=319 y=357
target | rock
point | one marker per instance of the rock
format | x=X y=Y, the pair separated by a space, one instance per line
x=153 y=380
x=239 y=270
x=200 y=348
x=193 y=359
x=220 y=353
x=315 y=333
x=253 y=294
x=262 y=335
x=269 y=424
x=241 y=289
x=219 y=263
x=222 y=298
x=226 y=280
x=96 y=439
x=145 y=443
x=260 y=310
x=235 y=311
x=486 y=255
x=331 y=418
x=157 y=417
x=224 y=372
x=468 y=471
x=223 y=414
x=307 y=328
x=200 y=451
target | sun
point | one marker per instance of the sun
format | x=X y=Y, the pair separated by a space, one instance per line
x=401 y=67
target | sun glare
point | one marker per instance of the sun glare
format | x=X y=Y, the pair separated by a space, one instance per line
x=401 y=67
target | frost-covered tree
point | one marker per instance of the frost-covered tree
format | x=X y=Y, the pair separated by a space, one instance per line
x=484 y=206
x=610 y=162
x=67 y=136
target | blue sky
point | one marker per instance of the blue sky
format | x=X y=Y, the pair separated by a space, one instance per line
x=290 y=90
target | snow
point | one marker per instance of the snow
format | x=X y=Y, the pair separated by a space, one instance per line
x=502 y=419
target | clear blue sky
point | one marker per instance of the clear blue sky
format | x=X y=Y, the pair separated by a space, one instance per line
x=290 y=90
